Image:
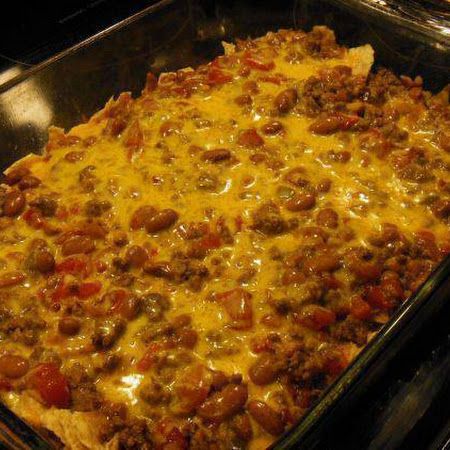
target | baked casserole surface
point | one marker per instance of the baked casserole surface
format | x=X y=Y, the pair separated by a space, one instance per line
x=190 y=269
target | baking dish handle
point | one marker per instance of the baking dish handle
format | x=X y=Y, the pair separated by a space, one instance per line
x=430 y=19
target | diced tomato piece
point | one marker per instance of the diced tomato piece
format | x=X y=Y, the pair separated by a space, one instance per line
x=336 y=364
x=217 y=76
x=271 y=79
x=75 y=265
x=33 y=218
x=315 y=317
x=210 y=241
x=82 y=290
x=359 y=308
x=254 y=62
x=61 y=291
x=52 y=385
x=89 y=289
x=118 y=297
x=238 y=305
x=149 y=356
x=377 y=298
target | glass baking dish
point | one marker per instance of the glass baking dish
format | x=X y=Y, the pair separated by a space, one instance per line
x=65 y=90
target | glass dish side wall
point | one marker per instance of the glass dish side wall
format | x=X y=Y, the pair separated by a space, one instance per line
x=67 y=90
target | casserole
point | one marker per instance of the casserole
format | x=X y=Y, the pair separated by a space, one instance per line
x=44 y=115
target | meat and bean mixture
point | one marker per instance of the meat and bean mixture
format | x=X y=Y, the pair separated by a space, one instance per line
x=190 y=269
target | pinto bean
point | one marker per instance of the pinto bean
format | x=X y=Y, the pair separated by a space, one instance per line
x=327 y=217
x=250 y=138
x=365 y=271
x=15 y=175
x=77 y=244
x=296 y=177
x=223 y=404
x=218 y=380
x=272 y=128
x=242 y=426
x=107 y=332
x=187 y=338
x=13 y=366
x=41 y=259
x=161 y=269
x=264 y=370
x=207 y=182
x=216 y=155
x=29 y=182
x=136 y=256
x=286 y=100
x=301 y=202
x=154 y=305
x=324 y=185
x=183 y=320
x=250 y=87
x=339 y=157
x=95 y=230
x=69 y=326
x=141 y=215
x=120 y=264
x=331 y=124
x=95 y=208
x=441 y=209
x=243 y=100
x=87 y=178
x=268 y=220
x=269 y=419
x=131 y=307
x=161 y=221
x=11 y=278
x=46 y=205
x=120 y=238
x=322 y=263
x=14 y=203
x=74 y=156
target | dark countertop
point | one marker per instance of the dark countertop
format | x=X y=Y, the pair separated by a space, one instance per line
x=409 y=407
